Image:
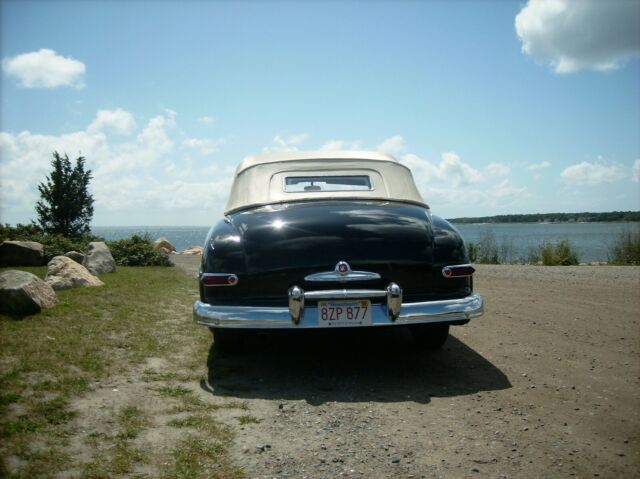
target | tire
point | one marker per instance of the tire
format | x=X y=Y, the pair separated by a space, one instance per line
x=430 y=336
x=226 y=340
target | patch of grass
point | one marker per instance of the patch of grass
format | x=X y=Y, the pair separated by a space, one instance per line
x=247 y=419
x=151 y=376
x=50 y=359
x=132 y=421
x=68 y=384
x=626 y=249
x=54 y=411
x=202 y=422
x=174 y=391
x=6 y=399
x=197 y=458
x=118 y=460
x=45 y=462
x=20 y=425
x=121 y=456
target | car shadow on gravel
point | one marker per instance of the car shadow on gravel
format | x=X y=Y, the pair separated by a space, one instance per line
x=348 y=366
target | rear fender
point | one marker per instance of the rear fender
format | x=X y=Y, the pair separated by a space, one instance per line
x=223 y=253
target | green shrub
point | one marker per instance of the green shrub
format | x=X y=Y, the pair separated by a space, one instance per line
x=626 y=249
x=137 y=251
x=19 y=232
x=58 y=245
x=54 y=244
x=560 y=254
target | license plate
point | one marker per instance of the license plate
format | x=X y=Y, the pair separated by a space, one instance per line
x=344 y=313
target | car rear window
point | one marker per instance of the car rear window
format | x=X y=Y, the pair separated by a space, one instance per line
x=298 y=184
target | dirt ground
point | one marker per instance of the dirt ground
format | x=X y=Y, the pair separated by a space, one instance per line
x=545 y=384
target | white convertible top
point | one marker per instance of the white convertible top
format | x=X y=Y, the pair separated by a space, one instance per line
x=260 y=180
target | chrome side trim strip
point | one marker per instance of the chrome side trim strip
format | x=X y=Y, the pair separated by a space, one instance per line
x=345 y=294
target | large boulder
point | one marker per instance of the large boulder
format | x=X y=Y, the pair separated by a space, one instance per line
x=21 y=253
x=193 y=250
x=24 y=293
x=164 y=245
x=75 y=256
x=98 y=259
x=65 y=273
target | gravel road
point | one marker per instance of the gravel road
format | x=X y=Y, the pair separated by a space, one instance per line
x=546 y=384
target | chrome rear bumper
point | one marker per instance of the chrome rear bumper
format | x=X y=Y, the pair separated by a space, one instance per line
x=453 y=310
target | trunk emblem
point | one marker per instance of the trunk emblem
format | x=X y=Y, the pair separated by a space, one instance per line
x=343 y=267
x=342 y=273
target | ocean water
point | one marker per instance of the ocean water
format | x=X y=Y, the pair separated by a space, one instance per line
x=180 y=236
x=592 y=240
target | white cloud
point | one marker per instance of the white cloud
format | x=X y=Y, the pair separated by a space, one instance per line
x=635 y=171
x=290 y=143
x=341 y=145
x=297 y=139
x=451 y=169
x=150 y=174
x=155 y=133
x=117 y=121
x=494 y=170
x=204 y=146
x=538 y=166
x=601 y=171
x=207 y=120
x=573 y=35
x=454 y=184
x=393 y=146
x=45 y=69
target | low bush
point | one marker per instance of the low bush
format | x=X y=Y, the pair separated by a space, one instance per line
x=54 y=244
x=626 y=249
x=560 y=254
x=19 y=232
x=137 y=251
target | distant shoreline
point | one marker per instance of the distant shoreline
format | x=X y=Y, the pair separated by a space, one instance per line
x=553 y=218
x=489 y=223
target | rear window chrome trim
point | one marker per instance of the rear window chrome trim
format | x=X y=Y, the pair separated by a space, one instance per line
x=372 y=186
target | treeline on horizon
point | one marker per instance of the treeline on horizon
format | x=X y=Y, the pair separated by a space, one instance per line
x=587 y=217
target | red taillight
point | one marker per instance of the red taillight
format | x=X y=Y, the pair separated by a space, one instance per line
x=458 y=271
x=219 y=279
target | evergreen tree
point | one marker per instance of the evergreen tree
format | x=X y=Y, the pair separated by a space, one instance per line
x=66 y=206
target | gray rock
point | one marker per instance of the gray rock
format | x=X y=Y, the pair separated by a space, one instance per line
x=21 y=253
x=65 y=273
x=75 y=256
x=193 y=250
x=24 y=293
x=163 y=243
x=98 y=259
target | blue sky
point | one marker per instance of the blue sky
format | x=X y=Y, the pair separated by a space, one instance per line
x=498 y=107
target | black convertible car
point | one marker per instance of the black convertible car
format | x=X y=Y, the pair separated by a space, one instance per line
x=331 y=240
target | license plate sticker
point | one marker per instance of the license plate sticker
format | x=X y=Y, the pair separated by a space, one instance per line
x=344 y=313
